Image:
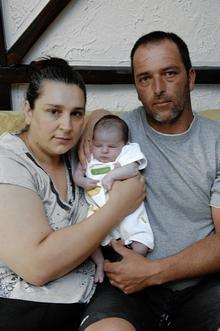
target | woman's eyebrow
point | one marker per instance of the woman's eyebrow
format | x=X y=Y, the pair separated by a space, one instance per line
x=54 y=105
x=79 y=108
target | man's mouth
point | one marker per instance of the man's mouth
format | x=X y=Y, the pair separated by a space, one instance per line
x=162 y=102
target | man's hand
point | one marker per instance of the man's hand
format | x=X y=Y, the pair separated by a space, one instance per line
x=133 y=272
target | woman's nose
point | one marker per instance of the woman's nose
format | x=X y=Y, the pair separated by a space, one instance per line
x=65 y=123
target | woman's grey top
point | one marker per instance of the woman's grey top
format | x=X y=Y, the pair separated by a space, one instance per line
x=19 y=167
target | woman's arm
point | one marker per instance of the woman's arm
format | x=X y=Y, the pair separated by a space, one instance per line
x=38 y=254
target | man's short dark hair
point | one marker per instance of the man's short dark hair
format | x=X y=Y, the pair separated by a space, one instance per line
x=157 y=36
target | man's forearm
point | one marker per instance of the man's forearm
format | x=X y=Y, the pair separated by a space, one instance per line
x=134 y=272
x=199 y=259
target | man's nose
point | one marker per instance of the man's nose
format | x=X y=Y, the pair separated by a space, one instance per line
x=159 y=86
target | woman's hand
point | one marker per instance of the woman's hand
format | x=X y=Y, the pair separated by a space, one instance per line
x=84 y=149
x=127 y=195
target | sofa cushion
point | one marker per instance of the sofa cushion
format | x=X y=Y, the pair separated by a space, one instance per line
x=13 y=121
x=213 y=114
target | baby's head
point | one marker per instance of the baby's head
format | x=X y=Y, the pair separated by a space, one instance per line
x=110 y=134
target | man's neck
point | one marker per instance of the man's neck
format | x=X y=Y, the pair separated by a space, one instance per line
x=181 y=125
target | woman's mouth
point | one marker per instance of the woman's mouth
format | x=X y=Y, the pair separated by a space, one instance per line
x=63 y=140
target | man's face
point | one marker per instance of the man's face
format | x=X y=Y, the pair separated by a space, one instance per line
x=161 y=80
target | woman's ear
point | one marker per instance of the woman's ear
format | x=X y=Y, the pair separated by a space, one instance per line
x=28 y=112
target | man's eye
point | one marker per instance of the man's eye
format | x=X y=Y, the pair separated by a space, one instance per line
x=171 y=73
x=144 y=79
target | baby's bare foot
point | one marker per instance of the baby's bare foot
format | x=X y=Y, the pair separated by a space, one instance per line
x=99 y=274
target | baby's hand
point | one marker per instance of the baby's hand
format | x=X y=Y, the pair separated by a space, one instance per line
x=89 y=183
x=117 y=165
x=107 y=182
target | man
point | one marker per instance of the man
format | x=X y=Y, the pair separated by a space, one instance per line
x=178 y=282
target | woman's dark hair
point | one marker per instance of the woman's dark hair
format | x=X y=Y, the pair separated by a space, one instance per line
x=54 y=69
x=157 y=36
x=113 y=121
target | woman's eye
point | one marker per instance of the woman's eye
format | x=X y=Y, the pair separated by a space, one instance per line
x=77 y=114
x=53 y=111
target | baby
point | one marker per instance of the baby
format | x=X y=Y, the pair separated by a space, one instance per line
x=114 y=158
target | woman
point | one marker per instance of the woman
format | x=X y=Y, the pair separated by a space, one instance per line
x=45 y=239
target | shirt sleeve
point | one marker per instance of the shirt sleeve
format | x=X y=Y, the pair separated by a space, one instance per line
x=215 y=189
x=14 y=172
x=132 y=153
x=215 y=193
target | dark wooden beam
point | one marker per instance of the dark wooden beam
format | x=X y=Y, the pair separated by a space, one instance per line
x=102 y=75
x=207 y=75
x=5 y=88
x=35 y=30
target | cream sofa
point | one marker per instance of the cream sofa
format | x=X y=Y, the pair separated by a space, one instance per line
x=12 y=121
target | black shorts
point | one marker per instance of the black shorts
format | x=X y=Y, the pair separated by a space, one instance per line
x=19 y=315
x=196 y=308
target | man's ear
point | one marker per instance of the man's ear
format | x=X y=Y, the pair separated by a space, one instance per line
x=28 y=112
x=191 y=77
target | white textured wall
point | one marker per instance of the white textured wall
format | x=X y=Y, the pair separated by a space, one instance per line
x=102 y=32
